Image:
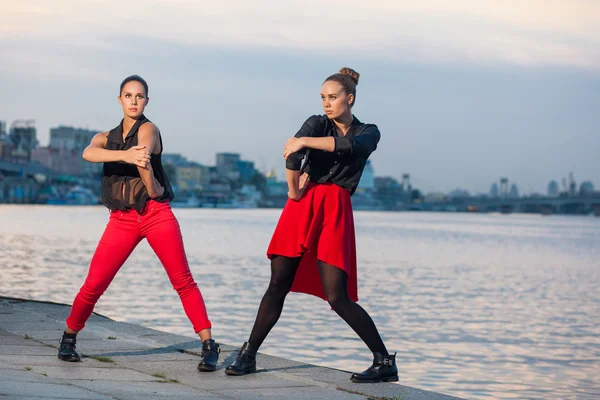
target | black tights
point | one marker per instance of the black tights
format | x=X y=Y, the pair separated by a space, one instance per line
x=283 y=271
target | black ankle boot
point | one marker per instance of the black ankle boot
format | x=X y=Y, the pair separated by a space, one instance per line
x=245 y=362
x=383 y=369
x=67 y=352
x=210 y=356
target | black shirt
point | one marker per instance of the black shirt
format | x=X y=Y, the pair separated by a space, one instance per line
x=345 y=165
x=122 y=186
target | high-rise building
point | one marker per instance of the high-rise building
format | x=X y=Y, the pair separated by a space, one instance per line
x=586 y=187
x=21 y=141
x=246 y=169
x=70 y=138
x=553 y=189
x=367 y=180
x=66 y=147
x=494 y=190
x=192 y=176
x=227 y=162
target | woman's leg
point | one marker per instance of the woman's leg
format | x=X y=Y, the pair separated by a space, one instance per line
x=164 y=236
x=335 y=282
x=115 y=246
x=283 y=271
x=117 y=243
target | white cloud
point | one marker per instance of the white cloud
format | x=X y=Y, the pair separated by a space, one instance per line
x=535 y=32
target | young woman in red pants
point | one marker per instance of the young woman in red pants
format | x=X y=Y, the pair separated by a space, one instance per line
x=137 y=192
x=313 y=249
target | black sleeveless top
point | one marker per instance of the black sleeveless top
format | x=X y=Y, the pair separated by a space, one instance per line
x=122 y=186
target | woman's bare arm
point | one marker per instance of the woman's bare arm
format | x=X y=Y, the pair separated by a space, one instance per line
x=148 y=137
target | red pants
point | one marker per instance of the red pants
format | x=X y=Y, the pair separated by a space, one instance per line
x=124 y=231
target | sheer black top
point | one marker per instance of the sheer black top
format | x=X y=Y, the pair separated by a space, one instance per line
x=122 y=186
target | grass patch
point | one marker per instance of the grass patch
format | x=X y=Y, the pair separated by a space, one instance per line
x=27 y=337
x=164 y=378
x=112 y=338
x=49 y=345
x=45 y=374
x=27 y=368
x=100 y=358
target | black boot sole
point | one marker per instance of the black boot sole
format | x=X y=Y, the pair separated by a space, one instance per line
x=388 y=379
x=206 y=368
x=233 y=372
x=69 y=358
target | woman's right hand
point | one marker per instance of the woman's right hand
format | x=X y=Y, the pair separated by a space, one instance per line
x=138 y=156
x=294 y=195
x=304 y=180
x=303 y=183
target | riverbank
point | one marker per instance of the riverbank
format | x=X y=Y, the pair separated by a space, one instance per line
x=126 y=361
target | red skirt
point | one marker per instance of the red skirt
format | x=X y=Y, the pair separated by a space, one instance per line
x=319 y=226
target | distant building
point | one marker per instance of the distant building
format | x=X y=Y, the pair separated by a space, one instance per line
x=66 y=140
x=246 y=170
x=586 y=187
x=553 y=189
x=367 y=180
x=459 y=193
x=514 y=191
x=227 y=165
x=20 y=142
x=389 y=192
x=70 y=138
x=192 y=176
x=275 y=187
x=173 y=159
x=435 y=197
x=62 y=161
x=494 y=191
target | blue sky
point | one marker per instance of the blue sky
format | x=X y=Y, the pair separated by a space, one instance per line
x=464 y=92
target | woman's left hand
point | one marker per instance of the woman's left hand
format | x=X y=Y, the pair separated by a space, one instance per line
x=293 y=145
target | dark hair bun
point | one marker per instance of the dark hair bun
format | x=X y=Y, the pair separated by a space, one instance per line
x=351 y=73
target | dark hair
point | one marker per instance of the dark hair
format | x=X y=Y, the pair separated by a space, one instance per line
x=348 y=78
x=135 y=78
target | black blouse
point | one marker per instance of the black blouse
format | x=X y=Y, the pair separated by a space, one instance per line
x=122 y=186
x=345 y=165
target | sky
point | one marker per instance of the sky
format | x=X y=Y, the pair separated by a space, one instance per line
x=464 y=92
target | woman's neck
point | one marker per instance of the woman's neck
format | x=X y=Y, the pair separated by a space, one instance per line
x=344 y=122
x=128 y=123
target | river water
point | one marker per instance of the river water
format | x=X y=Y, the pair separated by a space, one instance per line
x=476 y=305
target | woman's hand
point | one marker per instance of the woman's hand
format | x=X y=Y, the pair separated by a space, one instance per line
x=304 y=180
x=137 y=155
x=294 y=195
x=303 y=183
x=293 y=145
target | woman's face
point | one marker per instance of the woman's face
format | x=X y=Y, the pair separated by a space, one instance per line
x=133 y=99
x=335 y=100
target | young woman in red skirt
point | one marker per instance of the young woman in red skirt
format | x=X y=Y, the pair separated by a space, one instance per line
x=313 y=249
x=137 y=192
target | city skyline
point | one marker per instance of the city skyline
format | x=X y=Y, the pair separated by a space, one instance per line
x=464 y=94
x=70 y=137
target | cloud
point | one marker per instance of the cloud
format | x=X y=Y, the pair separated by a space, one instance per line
x=536 y=32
